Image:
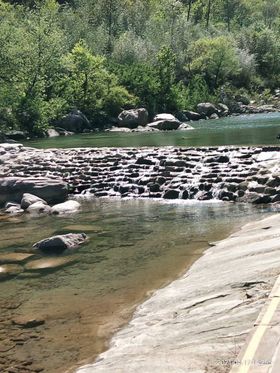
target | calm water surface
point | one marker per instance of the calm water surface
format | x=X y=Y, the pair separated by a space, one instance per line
x=260 y=129
x=135 y=246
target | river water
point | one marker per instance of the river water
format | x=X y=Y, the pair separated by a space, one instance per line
x=135 y=246
x=259 y=129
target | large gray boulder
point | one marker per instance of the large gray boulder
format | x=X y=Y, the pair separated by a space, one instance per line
x=133 y=118
x=59 y=244
x=206 y=109
x=165 y=125
x=51 y=191
x=75 y=121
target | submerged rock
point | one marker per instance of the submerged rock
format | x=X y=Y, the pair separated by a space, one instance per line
x=48 y=264
x=165 y=125
x=25 y=322
x=39 y=208
x=9 y=270
x=8 y=258
x=59 y=244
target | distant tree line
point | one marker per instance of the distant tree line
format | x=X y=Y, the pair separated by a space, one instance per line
x=101 y=56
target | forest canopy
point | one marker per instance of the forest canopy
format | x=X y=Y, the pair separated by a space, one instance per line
x=101 y=56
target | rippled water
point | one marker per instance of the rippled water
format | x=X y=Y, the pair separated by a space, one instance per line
x=260 y=129
x=135 y=246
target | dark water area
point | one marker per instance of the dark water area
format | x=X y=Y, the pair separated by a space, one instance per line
x=259 y=129
x=135 y=246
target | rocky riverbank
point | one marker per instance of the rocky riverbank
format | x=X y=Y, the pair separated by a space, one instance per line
x=240 y=174
x=199 y=322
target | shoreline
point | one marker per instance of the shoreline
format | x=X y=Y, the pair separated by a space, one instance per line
x=168 y=332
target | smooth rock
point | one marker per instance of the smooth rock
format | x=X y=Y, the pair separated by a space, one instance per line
x=8 y=258
x=26 y=323
x=75 y=121
x=46 y=264
x=192 y=115
x=29 y=199
x=165 y=125
x=206 y=109
x=59 y=244
x=164 y=116
x=68 y=207
x=38 y=208
x=9 y=270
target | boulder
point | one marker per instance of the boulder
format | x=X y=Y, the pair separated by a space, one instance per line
x=214 y=116
x=133 y=118
x=223 y=110
x=16 y=135
x=192 y=115
x=13 y=189
x=59 y=244
x=171 y=194
x=68 y=207
x=39 y=208
x=165 y=125
x=164 y=117
x=185 y=127
x=29 y=199
x=52 y=133
x=75 y=121
x=206 y=109
x=14 y=210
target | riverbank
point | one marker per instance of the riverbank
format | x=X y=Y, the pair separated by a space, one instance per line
x=200 y=322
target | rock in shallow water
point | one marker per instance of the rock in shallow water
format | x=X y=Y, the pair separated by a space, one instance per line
x=59 y=244
x=9 y=270
x=68 y=207
x=14 y=257
x=48 y=264
x=29 y=199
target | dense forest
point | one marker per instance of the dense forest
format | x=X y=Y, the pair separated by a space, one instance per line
x=101 y=56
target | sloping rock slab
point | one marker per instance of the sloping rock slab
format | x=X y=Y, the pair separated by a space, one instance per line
x=9 y=270
x=14 y=257
x=13 y=189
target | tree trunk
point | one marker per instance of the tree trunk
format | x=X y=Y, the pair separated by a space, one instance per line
x=208 y=13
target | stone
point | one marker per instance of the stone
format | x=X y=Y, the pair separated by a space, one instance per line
x=26 y=323
x=214 y=116
x=9 y=270
x=223 y=110
x=75 y=121
x=29 y=199
x=47 y=264
x=207 y=109
x=13 y=189
x=16 y=135
x=164 y=116
x=8 y=258
x=51 y=132
x=68 y=207
x=133 y=118
x=192 y=115
x=217 y=159
x=165 y=125
x=171 y=194
x=14 y=210
x=38 y=208
x=59 y=244
x=185 y=127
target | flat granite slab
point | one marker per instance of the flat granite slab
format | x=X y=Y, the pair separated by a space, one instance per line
x=200 y=322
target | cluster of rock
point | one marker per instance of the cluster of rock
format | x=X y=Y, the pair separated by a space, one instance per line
x=242 y=174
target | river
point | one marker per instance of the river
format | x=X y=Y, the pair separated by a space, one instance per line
x=259 y=129
x=135 y=247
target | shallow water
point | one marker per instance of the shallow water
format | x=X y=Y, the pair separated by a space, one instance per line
x=259 y=129
x=135 y=246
